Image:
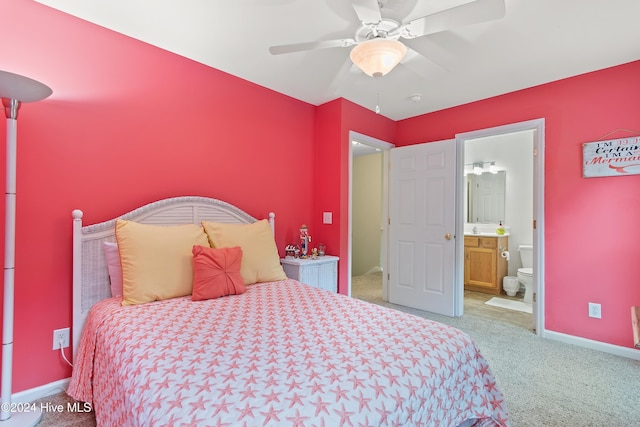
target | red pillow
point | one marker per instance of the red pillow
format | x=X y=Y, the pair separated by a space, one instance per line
x=216 y=272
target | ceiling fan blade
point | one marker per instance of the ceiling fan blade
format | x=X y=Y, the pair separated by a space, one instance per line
x=344 y=77
x=299 y=47
x=460 y=16
x=421 y=65
x=368 y=11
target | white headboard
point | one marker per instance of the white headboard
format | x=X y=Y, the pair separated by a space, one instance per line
x=90 y=276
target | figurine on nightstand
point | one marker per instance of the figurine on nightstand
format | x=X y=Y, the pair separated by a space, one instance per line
x=305 y=239
x=290 y=251
x=314 y=253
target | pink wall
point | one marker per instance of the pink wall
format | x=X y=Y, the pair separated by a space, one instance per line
x=591 y=236
x=128 y=124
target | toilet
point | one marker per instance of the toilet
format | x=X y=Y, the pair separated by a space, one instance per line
x=525 y=273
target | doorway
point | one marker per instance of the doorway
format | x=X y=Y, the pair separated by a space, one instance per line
x=368 y=206
x=536 y=127
x=498 y=179
x=525 y=213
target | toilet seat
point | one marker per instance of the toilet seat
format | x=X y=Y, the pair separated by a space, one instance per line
x=526 y=271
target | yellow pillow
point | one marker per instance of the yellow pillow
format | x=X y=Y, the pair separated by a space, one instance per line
x=260 y=259
x=156 y=260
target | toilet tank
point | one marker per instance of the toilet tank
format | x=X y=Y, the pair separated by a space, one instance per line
x=526 y=255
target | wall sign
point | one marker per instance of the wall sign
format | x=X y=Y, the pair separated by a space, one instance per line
x=615 y=157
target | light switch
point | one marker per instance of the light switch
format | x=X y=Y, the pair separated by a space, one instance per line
x=327 y=217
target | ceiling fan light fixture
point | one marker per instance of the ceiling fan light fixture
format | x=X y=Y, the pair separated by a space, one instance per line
x=376 y=57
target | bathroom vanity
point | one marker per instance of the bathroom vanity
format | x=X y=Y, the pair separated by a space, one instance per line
x=484 y=267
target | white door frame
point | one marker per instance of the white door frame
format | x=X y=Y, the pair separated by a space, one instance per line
x=385 y=147
x=537 y=126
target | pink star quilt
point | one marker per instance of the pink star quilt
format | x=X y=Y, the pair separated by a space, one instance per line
x=280 y=354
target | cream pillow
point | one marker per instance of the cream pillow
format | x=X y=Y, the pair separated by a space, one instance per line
x=156 y=260
x=260 y=259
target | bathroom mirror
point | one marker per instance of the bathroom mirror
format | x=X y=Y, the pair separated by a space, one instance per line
x=485 y=197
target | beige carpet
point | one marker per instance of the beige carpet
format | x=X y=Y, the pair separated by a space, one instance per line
x=367 y=287
x=69 y=417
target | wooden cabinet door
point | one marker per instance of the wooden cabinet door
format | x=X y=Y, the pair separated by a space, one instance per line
x=484 y=268
x=482 y=264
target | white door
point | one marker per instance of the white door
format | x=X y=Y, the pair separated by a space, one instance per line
x=422 y=187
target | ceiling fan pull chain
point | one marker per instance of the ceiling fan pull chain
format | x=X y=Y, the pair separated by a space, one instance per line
x=377 y=95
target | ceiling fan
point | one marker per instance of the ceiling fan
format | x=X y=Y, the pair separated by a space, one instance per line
x=377 y=49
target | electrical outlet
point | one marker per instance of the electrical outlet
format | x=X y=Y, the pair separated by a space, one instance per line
x=61 y=335
x=595 y=310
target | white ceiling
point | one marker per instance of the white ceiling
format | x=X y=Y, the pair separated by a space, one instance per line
x=538 y=41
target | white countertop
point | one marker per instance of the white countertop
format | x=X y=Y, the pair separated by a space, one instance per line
x=486 y=234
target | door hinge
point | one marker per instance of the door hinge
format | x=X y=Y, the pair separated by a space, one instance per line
x=534 y=297
x=389 y=220
x=535 y=224
x=535 y=152
x=388 y=276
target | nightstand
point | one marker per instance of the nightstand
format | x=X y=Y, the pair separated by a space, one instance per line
x=321 y=272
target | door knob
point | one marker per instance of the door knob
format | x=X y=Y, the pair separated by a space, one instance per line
x=448 y=236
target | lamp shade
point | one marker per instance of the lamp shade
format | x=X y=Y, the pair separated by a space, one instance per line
x=23 y=89
x=376 y=57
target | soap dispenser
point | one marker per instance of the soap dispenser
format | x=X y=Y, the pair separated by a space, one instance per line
x=500 y=229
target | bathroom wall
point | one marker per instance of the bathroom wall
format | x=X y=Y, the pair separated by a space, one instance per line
x=514 y=154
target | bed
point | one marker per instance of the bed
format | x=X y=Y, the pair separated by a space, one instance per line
x=281 y=353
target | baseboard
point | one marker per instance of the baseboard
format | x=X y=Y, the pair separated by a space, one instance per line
x=627 y=352
x=375 y=269
x=40 y=391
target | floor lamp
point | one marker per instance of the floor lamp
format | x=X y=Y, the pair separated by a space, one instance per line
x=14 y=89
